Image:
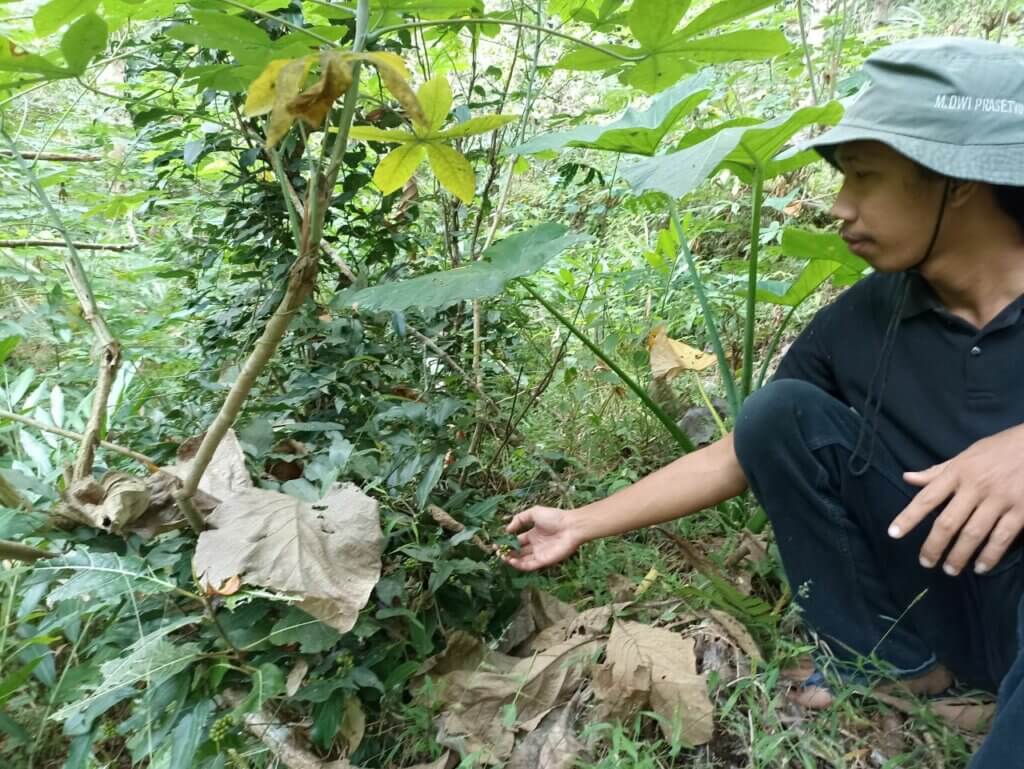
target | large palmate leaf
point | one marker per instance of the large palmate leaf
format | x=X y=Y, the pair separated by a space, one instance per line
x=84 y=39
x=513 y=257
x=327 y=553
x=663 y=55
x=826 y=253
x=793 y=293
x=55 y=14
x=739 y=148
x=637 y=131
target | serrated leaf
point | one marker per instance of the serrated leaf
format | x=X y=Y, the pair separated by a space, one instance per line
x=435 y=97
x=453 y=171
x=722 y=13
x=55 y=14
x=398 y=166
x=372 y=134
x=652 y=22
x=84 y=39
x=477 y=125
x=516 y=256
x=636 y=131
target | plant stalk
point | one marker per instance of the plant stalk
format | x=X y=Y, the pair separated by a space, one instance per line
x=681 y=438
x=141 y=458
x=757 y=200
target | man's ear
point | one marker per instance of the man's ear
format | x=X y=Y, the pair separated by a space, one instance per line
x=961 y=191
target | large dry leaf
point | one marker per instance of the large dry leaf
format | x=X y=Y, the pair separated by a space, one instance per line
x=537 y=612
x=490 y=701
x=327 y=553
x=111 y=504
x=677 y=693
x=226 y=472
x=313 y=104
x=670 y=357
x=552 y=745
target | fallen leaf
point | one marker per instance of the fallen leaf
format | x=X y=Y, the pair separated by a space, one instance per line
x=353 y=724
x=637 y=653
x=327 y=553
x=670 y=357
x=296 y=676
x=313 y=104
x=441 y=763
x=552 y=745
x=738 y=634
x=620 y=586
x=111 y=504
x=647 y=582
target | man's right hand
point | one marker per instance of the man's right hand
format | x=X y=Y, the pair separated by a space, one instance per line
x=550 y=540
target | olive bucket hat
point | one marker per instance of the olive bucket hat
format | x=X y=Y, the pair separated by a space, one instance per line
x=954 y=105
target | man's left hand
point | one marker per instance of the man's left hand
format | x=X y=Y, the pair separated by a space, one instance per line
x=985 y=488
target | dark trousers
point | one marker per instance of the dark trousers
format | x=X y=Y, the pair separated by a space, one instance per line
x=865 y=594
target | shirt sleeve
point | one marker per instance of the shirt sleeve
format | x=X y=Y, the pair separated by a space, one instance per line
x=809 y=358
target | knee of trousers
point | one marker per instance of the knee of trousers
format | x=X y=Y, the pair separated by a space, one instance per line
x=770 y=419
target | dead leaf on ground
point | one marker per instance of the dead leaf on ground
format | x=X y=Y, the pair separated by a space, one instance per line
x=552 y=745
x=488 y=703
x=670 y=357
x=296 y=676
x=537 y=612
x=737 y=634
x=637 y=654
x=441 y=763
x=327 y=552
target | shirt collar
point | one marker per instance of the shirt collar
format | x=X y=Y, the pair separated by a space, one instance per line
x=920 y=296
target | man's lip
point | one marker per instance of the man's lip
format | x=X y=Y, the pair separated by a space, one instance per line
x=857 y=245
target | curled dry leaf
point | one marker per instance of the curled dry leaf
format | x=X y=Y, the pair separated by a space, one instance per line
x=640 y=658
x=313 y=104
x=552 y=745
x=289 y=82
x=230 y=586
x=111 y=504
x=670 y=357
x=327 y=553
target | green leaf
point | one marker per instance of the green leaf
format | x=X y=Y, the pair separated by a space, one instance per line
x=813 y=275
x=56 y=13
x=244 y=40
x=84 y=39
x=745 y=45
x=101 y=578
x=584 y=59
x=435 y=97
x=453 y=171
x=188 y=735
x=652 y=22
x=737 y=147
x=371 y=134
x=429 y=481
x=11 y=683
x=658 y=71
x=13 y=59
x=722 y=13
x=514 y=257
x=18 y=524
x=7 y=346
x=477 y=125
x=297 y=627
x=398 y=166
x=805 y=244
x=637 y=131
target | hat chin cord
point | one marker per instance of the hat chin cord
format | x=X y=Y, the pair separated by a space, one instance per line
x=880 y=377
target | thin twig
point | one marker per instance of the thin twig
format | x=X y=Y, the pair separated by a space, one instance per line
x=141 y=458
x=62 y=244
x=57 y=157
x=807 y=51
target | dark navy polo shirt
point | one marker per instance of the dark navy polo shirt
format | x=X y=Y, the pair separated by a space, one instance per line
x=949 y=384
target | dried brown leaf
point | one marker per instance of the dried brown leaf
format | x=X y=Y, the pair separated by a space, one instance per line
x=226 y=472
x=552 y=745
x=327 y=553
x=670 y=357
x=296 y=676
x=289 y=83
x=353 y=724
x=313 y=104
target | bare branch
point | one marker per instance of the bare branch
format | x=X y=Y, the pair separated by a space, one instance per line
x=63 y=244
x=56 y=157
x=141 y=458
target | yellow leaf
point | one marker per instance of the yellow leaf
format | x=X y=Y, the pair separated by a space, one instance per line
x=370 y=134
x=395 y=77
x=477 y=125
x=289 y=83
x=260 y=98
x=453 y=171
x=353 y=724
x=435 y=97
x=669 y=357
x=398 y=166
x=313 y=104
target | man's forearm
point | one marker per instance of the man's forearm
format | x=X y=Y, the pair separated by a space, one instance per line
x=692 y=483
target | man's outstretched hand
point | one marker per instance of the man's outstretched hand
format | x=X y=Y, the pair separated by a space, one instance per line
x=550 y=540
x=985 y=488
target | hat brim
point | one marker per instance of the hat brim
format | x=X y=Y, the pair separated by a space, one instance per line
x=993 y=164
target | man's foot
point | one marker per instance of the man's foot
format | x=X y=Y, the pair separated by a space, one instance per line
x=935 y=681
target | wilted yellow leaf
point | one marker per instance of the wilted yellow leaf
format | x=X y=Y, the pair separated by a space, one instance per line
x=289 y=83
x=313 y=104
x=260 y=98
x=669 y=357
x=395 y=76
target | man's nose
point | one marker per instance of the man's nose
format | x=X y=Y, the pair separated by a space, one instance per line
x=844 y=208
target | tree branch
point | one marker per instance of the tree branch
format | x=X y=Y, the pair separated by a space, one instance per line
x=141 y=458
x=56 y=157
x=63 y=244
x=15 y=551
